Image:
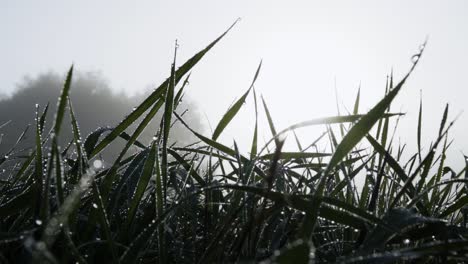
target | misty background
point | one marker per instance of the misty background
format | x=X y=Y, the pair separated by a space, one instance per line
x=95 y=104
x=312 y=51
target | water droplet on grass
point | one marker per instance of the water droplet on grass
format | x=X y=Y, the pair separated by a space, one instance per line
x=97 y=164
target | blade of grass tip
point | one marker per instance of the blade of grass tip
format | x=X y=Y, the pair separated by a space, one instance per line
x=387 y=88
x=232 y=112
x=81 y=154
x=59 y=115
x=356 y=102
x=270 y=123
x=355 y=134
x=43 y=117
x=338 y=108
x=253 y=150
x=444 y=119
x=419 y=126
x=180 y=93
x=62 y=102
x=151 y=99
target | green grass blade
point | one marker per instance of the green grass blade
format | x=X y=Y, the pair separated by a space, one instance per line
x=140 y=190
x=253 y=149
x=270 y=122
x=232 y=112
x=419 y=128
x=62 y=102
x=150 y=100
x=356 y=102
x=81 y=159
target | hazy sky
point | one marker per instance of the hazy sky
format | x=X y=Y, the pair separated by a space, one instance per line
x=305 y=47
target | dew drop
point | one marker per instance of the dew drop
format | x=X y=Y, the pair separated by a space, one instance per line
x=97 y=164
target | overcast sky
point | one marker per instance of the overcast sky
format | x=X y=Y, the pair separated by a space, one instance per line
x=305 y=47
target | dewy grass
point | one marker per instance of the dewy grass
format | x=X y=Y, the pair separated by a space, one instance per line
x=210 y=203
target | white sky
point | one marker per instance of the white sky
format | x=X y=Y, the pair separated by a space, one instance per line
x=305 y=46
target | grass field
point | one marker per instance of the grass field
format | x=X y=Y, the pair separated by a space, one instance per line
x=210 y=203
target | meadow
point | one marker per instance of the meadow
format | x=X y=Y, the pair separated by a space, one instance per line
x=209 y=203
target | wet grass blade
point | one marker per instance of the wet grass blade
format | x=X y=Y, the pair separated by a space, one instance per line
x=81 y=159
x=419 y=128
x=356 y=102
x=253 y=149
x=270 y=122
x=62 y=102
x=444 y=120
x=151 y=99
x=39 y=172
x=140 y=190
x=232 y=112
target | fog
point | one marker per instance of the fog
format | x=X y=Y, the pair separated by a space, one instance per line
x=95 y=105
